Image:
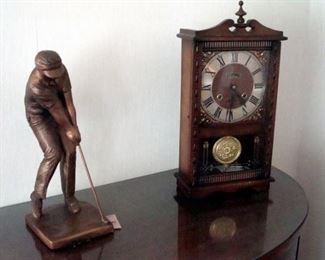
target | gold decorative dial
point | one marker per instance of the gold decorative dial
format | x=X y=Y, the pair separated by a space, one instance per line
x=226 y=150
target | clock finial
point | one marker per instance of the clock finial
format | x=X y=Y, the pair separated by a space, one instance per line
x=241 y=13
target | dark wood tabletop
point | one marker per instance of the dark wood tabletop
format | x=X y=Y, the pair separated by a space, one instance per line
x=156 y=225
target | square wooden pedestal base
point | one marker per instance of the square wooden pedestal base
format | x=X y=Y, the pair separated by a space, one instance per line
x=59 y=228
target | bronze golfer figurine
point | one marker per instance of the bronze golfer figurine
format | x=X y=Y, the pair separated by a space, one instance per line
x=52 y=116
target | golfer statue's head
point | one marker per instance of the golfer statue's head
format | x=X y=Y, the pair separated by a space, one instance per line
x=49 y=63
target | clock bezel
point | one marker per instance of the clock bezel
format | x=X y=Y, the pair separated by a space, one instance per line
x=258 y=114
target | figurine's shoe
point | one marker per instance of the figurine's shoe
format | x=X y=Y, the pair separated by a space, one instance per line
x=72 y=204
x=37 y=204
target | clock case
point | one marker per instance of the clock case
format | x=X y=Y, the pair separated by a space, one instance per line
x=195 y=126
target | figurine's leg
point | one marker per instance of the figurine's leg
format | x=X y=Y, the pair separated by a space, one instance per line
x=48 y=138
x=68 y=173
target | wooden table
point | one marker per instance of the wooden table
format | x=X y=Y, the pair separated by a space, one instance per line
x=158 y=226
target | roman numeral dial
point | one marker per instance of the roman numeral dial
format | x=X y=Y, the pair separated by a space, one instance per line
x=233 y=84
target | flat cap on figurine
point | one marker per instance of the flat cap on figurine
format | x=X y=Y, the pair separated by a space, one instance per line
x=50 y=63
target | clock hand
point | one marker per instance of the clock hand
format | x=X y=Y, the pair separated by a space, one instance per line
x=229 y=113
x=231 y=99
x=234 y=90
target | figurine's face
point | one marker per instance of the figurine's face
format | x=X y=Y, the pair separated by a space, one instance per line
x=233 y=85
x=54 y=73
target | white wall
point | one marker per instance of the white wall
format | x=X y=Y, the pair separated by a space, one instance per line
x=311 y=150
x=124 y=64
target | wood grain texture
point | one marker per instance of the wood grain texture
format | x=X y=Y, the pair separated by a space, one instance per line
x=186 y=130
x=155 y=225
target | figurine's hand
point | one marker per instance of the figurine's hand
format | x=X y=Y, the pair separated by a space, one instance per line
x=74 y=135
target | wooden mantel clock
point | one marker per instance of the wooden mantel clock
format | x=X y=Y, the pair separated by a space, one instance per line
x=228 y=102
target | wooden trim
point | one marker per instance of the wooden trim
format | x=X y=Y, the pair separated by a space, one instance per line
x=222 y=32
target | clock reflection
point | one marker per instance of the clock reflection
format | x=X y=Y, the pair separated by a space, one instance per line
x=222 y=227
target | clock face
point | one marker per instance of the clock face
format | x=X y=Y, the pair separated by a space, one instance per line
x=233 y=85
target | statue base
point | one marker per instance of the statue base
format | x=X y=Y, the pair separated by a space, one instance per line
x=59 y=228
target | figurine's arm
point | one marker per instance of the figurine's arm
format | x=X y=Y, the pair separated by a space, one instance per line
x=66 y=86
x=70 y=107
x=62 y=119
x=49 y=100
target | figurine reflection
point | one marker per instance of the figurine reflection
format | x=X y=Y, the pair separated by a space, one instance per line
x=51 y=115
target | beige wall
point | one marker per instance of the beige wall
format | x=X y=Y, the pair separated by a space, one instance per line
x=124 y=64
